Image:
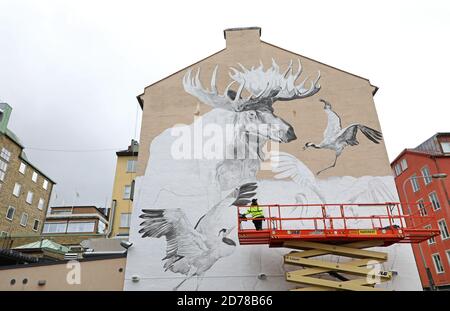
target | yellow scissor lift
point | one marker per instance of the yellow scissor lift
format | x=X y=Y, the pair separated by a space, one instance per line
x=334 y=233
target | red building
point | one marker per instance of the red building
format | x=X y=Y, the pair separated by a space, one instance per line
x=428 y=193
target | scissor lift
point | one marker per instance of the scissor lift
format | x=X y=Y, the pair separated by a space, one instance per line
x=336 y=229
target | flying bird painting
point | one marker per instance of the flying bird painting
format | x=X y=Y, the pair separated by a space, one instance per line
x=314 y=190
x=193 y=250
x=337 y=138
x=286 y=165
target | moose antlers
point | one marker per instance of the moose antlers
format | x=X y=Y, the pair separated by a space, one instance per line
x=265 y=87
x=193 y=86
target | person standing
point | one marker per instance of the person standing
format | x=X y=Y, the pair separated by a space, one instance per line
x=257 y=214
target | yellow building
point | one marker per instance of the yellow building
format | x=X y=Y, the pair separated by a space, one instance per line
x=122 y=190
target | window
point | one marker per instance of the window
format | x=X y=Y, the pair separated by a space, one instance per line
x=434 y=201
x=36 y=225
x=16 y=190
x=45 y=184
x=24 y=220
x=22 y=168
x=54 y=227
x=398 y=169
x=414 y=183
x=5 y=154
x=444 y=229
x=10 y=213
x=34 y=177
x=4 y=234
x=29 y=197
x=125 y=220
x=41 y=204
x=427 y=175
x=81 y=227
x=448 y=255
x=431 y=240
x=421 y=207
x=131 y=166
x=61 y=212
x=127 y=192
x=445 y=147
x=3 y=168
x=404 y=164
x=438 y=263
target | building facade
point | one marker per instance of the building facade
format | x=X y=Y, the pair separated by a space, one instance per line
x=207 y=130
x=414 y=169
x=90 y=274
x=25 y=190
x=122 y=204
x=70 y=225
x=76 y=219
x=44 y=249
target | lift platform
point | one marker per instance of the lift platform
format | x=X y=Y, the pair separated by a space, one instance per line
x=336 y=229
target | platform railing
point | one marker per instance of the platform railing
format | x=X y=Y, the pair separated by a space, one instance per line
x=387 y=215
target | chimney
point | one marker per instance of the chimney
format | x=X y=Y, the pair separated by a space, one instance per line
x=5 y=113
x=242 y=38
x=134 y=146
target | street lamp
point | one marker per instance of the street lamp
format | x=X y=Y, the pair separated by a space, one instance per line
x=434 y=176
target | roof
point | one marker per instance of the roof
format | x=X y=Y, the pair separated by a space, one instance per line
x=11 y=135
x=37 y=263
x=430 y=148
x=422 y=153
x=141 y=103
x=104 y=244
x=12 y=257
x=14 y=137
x=45 y=244
x=132 y=150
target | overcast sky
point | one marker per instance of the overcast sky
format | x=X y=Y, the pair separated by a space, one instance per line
x=71 y=70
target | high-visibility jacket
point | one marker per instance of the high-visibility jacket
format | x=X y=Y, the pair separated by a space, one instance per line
x=255 y=211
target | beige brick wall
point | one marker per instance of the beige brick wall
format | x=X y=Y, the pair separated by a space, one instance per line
x=95 y=275
x=166 y=104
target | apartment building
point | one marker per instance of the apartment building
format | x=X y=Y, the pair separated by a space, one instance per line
x=122 y=203
x=25 y=190
x=420 y=176
x=76 y=219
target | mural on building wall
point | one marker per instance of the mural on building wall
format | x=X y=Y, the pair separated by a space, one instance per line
x=201 y=182
x=253 y=120
x=193 y=250
x=337 y=138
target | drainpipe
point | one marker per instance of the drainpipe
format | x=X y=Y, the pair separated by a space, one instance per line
x=111 y=218
x=442 y=182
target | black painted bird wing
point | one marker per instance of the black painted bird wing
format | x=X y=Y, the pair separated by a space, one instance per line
x=182 y=240
x=348 y=134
